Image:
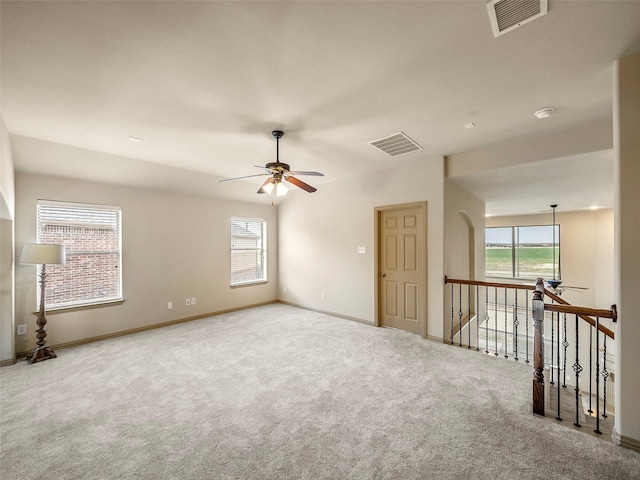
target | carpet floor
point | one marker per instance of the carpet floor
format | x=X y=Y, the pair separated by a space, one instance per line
x=277 y=392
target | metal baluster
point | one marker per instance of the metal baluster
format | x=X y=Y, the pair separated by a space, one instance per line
x=565 y=344
x=460 y=316
x=558 y=417
x=515 y=327
x=469 y=315
x=597 y=430
x=605 y=375
x=526 y=325
x=590 y=368
x=486 y=319
x=505 y=342
x=452 y=305
x=477 y=317
x=577 y=368
x=551 y=382
x=495 y=324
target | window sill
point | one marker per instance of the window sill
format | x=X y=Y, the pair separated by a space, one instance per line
x=248 y=284
x=84 y=306
x=515 y=279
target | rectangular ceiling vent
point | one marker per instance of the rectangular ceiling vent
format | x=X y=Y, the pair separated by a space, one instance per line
x=396 y=144
x=505 y=15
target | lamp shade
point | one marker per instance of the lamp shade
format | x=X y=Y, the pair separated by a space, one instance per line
x=42 y=253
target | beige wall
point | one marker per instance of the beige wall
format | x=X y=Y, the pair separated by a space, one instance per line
x=7 y=210
x=463 y=233
x=626 y=135
x=463 y=247
x=320 y=233
x=175 y=247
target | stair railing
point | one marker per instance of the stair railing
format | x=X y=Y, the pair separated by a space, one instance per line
x=586 y=314
x=497 y=312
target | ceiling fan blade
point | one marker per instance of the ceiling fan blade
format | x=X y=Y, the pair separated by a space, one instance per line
x=267 y=181
x=239 y=178
x=315 y=174
x=301 y=184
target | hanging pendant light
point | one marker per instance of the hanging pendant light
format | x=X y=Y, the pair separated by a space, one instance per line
x=555 y=282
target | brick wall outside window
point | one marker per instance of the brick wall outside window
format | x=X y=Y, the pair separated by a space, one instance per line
x=92 y=269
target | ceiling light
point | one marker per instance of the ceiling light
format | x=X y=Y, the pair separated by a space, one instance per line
x=268 y=188
x=544 y=113
x=281 y=189
x=134 y=139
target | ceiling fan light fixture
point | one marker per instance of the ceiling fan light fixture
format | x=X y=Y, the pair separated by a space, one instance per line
x=268 y=188
x=281 y=189
x=278 y=171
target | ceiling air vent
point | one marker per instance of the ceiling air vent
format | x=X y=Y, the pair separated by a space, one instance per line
x=505 y=15
x=396 y=144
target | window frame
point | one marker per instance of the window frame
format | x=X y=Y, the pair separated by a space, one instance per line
x=261 y=250
x=516 y=244
x=115 y=212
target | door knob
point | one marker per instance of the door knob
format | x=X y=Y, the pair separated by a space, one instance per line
x=383 y=275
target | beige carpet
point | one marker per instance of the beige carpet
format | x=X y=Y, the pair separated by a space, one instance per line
x=277 y=392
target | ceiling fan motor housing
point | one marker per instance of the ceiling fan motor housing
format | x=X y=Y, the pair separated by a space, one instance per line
x=277 y=166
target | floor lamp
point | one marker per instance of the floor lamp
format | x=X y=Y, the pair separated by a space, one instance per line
x=42 y=254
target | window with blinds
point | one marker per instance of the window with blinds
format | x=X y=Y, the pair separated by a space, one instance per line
x=248 y=250
x=92 y=236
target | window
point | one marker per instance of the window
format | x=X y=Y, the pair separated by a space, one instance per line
x=92 y=238
x=522 y=252
x=248 y=250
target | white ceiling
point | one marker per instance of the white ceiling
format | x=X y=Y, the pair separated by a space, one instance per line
x=203 y=84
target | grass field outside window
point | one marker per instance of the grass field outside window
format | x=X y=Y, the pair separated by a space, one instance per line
x=525 y=252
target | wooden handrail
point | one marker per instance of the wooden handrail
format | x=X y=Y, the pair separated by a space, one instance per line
x=519 y=286
x=565 y=307
x=584 y=313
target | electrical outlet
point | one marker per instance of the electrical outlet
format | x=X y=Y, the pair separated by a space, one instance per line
x=22 y=329
x=188 y=302
x=323 y=296
x=170 y=305
x=284 y=289
x=193 y=300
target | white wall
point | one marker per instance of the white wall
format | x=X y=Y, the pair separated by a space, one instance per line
x=175 y=247
x=7 y=210
x=320 y=232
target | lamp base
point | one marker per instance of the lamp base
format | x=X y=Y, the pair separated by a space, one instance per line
x=40 y=354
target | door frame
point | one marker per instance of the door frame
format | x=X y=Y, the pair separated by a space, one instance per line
x=378 y=211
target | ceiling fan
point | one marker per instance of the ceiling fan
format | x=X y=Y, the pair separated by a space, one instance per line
x=279 y=172
x=558 y=289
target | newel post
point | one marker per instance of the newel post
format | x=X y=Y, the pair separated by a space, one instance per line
x=538 y=348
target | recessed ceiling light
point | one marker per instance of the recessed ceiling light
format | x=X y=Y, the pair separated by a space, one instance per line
x=134 y=139
x=469 y=125
x=544 y=113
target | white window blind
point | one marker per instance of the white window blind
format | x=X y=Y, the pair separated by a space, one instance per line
x=92 y=238
x=248 y=250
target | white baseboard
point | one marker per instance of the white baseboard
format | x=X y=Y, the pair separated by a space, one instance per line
x=626 y=442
